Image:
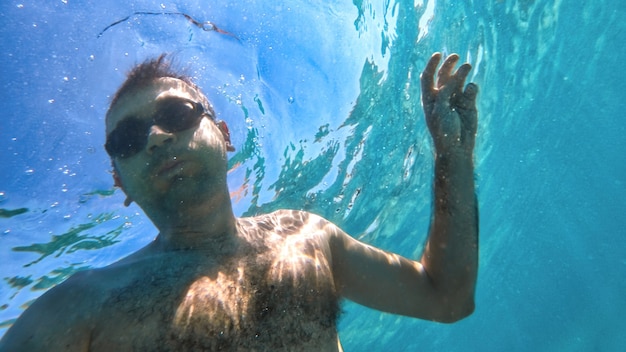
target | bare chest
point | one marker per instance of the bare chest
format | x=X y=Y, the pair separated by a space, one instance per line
x=275 y=301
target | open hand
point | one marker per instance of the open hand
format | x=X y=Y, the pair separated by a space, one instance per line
x=450 y=111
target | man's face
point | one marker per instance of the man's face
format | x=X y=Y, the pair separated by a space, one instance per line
x=173 y=164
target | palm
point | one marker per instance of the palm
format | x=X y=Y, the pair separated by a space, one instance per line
x=450 y=111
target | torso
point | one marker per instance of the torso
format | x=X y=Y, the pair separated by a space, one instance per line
x=277 y=293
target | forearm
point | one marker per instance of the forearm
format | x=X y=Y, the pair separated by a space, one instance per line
x=451 y=254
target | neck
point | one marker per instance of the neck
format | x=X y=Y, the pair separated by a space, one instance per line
x=198 y=225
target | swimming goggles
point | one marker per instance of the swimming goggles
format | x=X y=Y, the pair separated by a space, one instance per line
x=130 y=135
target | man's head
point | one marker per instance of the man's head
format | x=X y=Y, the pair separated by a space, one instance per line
x=162 y=132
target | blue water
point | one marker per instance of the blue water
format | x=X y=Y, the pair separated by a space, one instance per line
x=323 y=103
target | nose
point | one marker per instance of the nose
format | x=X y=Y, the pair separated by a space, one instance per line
x=158 y=138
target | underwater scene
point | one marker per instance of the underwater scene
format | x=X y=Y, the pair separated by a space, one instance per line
x=323 y=103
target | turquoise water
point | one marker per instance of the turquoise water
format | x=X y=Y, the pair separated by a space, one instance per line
x=323 y=103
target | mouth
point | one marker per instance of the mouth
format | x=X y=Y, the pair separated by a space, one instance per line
x=169 y=167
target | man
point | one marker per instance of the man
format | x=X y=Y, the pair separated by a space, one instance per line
x=211 y=281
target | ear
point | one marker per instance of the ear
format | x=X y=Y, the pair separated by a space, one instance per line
x=117 y=182
x=226 y=133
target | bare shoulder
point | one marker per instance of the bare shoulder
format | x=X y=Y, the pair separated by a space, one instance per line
x=289 y=226
x=290 y=222
x=59 y=320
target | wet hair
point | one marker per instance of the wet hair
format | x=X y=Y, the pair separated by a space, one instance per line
x=151 y=70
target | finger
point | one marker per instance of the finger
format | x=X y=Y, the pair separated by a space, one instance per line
x=446 y=70
x=428 y=75
x=460 y=76
x=467 y=99
x=454 y=87
x=428 y=81
x=471 y=91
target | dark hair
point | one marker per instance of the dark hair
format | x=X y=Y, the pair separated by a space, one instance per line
x=150 y=70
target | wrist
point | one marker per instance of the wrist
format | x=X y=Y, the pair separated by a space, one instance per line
x=454 y=156
x=454 y=166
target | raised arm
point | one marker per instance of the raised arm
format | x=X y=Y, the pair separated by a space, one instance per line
x=451 y=254
x=441 y=285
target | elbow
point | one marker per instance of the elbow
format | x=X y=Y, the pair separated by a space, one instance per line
x=453 y=313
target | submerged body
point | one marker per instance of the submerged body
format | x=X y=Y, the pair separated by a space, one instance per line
x=211 y=281
x=271 y=290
